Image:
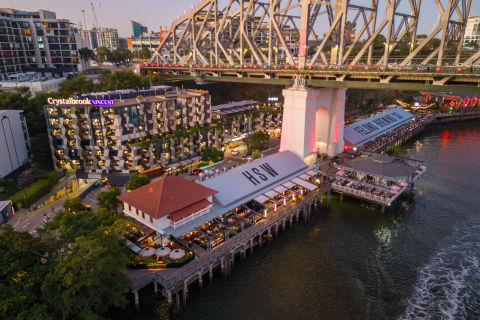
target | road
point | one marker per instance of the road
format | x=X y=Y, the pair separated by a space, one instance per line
x=29 y=222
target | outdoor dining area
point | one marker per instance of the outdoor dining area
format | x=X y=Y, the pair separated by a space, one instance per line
x=166 y=256
x=218 y=230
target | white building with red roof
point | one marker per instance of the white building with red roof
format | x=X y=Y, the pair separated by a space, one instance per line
x=168 y=203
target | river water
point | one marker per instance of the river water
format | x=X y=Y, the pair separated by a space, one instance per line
x=418 y=260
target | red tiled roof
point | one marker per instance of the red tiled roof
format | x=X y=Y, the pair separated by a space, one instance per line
x=166 y=195
x=187 y=211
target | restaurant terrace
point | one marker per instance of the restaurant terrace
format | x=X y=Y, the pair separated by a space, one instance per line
x=227 y=204
x=376 y=177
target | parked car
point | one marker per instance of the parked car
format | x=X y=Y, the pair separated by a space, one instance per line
x=196 y=171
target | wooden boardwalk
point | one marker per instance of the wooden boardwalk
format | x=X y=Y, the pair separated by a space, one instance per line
x=174 y=280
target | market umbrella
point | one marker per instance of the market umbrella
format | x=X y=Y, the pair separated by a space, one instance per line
x=177 y=254
x=147 y=252
x=163 y=251
x=403 y=183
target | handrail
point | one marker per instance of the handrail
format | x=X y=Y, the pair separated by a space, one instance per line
x=232 y=243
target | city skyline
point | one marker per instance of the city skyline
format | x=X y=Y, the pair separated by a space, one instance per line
x=112 y=15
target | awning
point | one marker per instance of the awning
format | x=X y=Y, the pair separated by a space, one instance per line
x=280 y=189
x=312 y=172
x=304 y=184
x=261 y=199
x=288 y=185
x=271 y=193
x=304 y=176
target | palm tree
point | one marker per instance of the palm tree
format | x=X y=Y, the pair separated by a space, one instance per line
x=85 y=55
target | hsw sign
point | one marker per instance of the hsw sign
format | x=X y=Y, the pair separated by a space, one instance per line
x=261 y=173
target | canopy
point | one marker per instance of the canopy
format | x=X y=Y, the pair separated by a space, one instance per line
x=271 y=193
x=261 y=199
x=163 y=251
x=280 y=189
x=147 y=252
x=304 y=184
x=304 y=176
x=288 y=185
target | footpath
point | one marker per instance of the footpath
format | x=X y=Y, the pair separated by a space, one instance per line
x=26 y=220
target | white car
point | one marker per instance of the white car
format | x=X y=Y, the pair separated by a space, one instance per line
x=235 y=152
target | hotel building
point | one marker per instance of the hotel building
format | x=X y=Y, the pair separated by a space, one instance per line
x=126 y=131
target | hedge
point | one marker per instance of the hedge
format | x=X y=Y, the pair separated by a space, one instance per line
x=35 y=191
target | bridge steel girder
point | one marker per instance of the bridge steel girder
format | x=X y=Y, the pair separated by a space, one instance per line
x=266 y=32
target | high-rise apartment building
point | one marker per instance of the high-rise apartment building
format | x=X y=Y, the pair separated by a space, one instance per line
x=100 y=37
x=138 y=29
x=107 y=37
x=14 y=141
x=472 y=33
x=36 y=41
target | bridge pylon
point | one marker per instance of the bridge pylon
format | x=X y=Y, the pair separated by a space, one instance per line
x=313 y=121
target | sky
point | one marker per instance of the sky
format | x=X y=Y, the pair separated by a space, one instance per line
x=155 y=13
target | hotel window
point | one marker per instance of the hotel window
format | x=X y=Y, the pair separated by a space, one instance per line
x=143 y=215
x=129 y=208
x=151 y=220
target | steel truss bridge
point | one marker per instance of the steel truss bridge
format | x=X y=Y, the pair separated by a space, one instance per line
x=321 y=43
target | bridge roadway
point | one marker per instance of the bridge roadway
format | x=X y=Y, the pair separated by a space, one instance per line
x=174 y=280
x=410 y=78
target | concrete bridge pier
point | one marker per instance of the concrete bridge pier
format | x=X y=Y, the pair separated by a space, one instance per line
x=177 y=300
x=169 y=298
x=200 y=280
x=185 y=291
x=210 y=273
x=313 y=121
x=137 y=300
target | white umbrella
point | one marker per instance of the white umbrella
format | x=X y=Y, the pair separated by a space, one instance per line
x=177 y=254
x=147 y=252
x=403 y=183
x=394 y=187
x=340 y=173
x=163 y=251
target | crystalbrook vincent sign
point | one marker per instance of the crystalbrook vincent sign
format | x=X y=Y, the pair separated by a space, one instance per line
x=85 y=101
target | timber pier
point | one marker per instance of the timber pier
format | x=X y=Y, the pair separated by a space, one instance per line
x=173 y=283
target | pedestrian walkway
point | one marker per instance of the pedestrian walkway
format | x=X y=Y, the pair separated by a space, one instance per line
x=24 y=220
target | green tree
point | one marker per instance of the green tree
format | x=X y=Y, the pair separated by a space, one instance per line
x=119 y=56
x=73 y=205
x=212 y=154
x=256 y=154
x=257 y=141
x=108 y=199
x=102 y=53
x=88 y=278
x=86 y=54
x=144 y=53
x=136 y=181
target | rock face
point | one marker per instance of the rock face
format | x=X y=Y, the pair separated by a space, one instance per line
x=26 y=178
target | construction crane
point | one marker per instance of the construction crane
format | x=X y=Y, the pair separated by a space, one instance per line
x=95 y=16
x=84 y=20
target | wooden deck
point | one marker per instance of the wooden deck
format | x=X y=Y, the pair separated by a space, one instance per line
x=172 y=280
